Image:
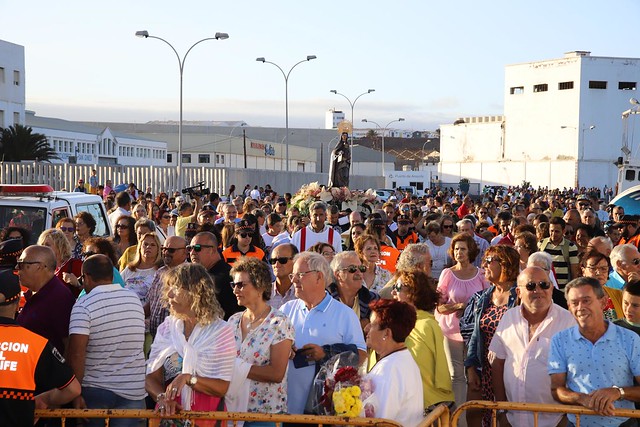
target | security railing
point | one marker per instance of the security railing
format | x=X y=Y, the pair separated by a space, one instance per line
x=439 y=417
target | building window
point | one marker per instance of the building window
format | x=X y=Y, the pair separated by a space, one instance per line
x=597 y=84
x=16 y=77
x=300 y=167
x=517 y=90
x=540 y=88
x=186 y=158
x=627 y=85
x=219 y=159
x=630 y=175
x=16 y=118
x=169 y=157
x=1 y=75
x=1 y=118
x=204 y=158
x=565 y=85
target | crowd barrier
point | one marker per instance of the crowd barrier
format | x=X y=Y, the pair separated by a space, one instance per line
x=439 y=417
x=231 y=417
x=535 y=408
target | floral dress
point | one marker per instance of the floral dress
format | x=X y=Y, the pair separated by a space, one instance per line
x=382 y=277
x=488 y=325
x=256 y=349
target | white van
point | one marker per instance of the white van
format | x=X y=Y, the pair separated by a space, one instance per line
x=39 y=207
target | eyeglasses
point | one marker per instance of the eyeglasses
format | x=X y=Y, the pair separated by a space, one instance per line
x=299 y=276
x=281 y=260
x=243 y=235
x=635 y=261
x=198 y=247
x=68 y=229
x=87 y=254
x=328 y=254
x=597 y=270
x=532 y=285
x=171 y=250
x=237 y=285
x=398 y=287
x=122 y=226
x=354 y=268
x=490 y=259
x=20 y=264
x=166 y=216
x=447 y=226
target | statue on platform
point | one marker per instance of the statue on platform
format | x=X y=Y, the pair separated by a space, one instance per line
x=340 y=163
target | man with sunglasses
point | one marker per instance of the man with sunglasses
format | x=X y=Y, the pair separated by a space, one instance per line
x=204 y=250
x=594 y=364
x=49 y=301
x=281 y=261
x=625 y=260
x=521 y=347
x=174 y=253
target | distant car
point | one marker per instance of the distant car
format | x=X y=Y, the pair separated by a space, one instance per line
x=384 y=193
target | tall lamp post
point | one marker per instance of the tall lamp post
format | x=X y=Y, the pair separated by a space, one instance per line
x=218 y=36
x=286 y=95
x=231 y=139
x=384 y=130
x=353 y=104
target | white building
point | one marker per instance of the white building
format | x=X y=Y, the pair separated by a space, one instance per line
x=332 y=118
x=561 y=125
x=12 y=87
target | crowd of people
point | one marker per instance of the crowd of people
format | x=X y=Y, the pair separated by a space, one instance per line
x=207 y=304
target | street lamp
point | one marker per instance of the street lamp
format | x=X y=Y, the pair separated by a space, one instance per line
x=423 y=145
x=231 y=139
x=218 y=36
x=384 y=130
x=353 y=104
x=286 y=95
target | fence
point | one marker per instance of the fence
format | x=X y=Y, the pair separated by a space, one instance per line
x=232 y=417
x=164 y=178
x=535 y=408
x=439 y=417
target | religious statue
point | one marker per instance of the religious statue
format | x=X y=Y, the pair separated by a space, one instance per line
x=340 y=163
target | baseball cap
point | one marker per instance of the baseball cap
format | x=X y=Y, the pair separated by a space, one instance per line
x=243 y=225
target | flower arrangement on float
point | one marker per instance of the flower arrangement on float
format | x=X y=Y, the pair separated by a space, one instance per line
x=340 y=196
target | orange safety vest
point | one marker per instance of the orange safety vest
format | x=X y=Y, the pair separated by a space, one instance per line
x=409 y=238
x=388 y=258
x=20 y=350
x=232 y=253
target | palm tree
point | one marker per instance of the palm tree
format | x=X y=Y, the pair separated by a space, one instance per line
x=18 y=143
x=372 y=135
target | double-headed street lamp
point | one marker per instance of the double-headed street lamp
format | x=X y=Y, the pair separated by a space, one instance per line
x=353 y=104
x=218 y=36
x=384 y=130
x=286 y=95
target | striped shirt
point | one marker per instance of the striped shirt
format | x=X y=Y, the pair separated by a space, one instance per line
x=114 y=320
x=560 y=265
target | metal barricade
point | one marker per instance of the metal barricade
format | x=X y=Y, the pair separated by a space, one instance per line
x=535 y=408
x=439 y=417
x=231 y=417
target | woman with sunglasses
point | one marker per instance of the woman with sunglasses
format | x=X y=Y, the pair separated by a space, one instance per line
x=163 y=224
x=501 y=265
x=368 y=249
x=348 y=287
x=456 y=285
x=426 y=342
x=68 y=227
x=138 y=275
x=264 y=337
x=447 y=225
x=242 y=244
x=68 y=269
x=124 y=234
x=597 y=265
x=193 y=353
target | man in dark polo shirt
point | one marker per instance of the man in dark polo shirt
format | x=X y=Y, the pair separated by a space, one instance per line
x=31 y=369
x=204 y=250
x=49 y=302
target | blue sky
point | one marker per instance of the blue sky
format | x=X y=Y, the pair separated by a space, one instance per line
x=429 y=62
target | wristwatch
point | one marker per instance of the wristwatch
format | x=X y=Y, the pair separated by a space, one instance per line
x=621 y=390
x=192 y=381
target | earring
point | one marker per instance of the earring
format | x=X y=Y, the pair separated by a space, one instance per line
x=384 y=338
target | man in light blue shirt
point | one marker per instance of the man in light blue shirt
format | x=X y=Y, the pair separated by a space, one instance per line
x=625 y=260
x=595 y=363
x=324 y=326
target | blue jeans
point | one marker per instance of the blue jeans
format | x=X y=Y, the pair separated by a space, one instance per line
x=97 y=398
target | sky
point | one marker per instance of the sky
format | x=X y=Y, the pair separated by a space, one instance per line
x=429 y=62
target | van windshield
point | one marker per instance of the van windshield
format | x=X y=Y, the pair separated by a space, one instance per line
x=30 y=218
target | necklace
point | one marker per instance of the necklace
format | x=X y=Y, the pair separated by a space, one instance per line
x=250 y=324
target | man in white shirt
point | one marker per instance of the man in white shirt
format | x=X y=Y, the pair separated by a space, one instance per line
x=521 y=348
x=317 y=231
x=123 y=200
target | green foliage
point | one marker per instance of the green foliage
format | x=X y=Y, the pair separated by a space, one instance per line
x=18 y=143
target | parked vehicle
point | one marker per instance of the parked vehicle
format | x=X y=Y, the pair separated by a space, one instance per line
x=384 y=193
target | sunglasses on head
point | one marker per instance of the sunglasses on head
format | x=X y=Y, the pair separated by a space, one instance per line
x=354 y=268
x=281 y=260
x=198 y=247
x=543 y=285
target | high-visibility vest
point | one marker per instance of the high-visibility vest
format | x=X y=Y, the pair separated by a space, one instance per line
x=408 y=239
x=20 y=350
x=388 y=258
x=232 y=253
